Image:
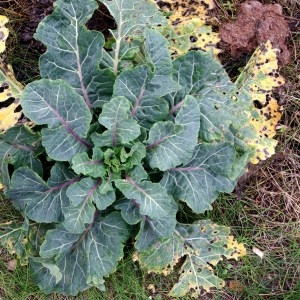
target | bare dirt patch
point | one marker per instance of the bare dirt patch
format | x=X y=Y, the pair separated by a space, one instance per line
x=255 y=24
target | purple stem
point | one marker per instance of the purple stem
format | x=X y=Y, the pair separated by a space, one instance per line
x=135 y=202
x=137 y=102
x=61 y=186
x=80 y=75
x=158 y=142
x=187 y=169
x=87 y=230
x=92 y=190
x=23 y=147
x=70 y=130
x=176 y=107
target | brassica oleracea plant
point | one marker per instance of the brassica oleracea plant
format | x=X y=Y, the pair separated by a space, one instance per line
x=124 y=140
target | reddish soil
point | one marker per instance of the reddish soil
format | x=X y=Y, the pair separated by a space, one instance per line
x=255 y=24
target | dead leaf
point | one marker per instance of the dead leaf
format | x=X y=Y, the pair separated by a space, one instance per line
x=11 y=265
x=10 y=88
x=3 y=32
x=259 y=78
x=151 y=287
x=236 y=286
x=258 y=252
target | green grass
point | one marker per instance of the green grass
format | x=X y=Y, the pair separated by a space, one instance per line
x=275 y=276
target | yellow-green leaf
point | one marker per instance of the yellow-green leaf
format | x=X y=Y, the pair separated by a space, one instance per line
x=188 y=26
x=199 y=247
x=259 y=78
x=3 y=32
x=10 y=88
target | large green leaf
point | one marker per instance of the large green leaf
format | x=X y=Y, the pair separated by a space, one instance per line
x=83 y=260
x=203 y=177
x=153 y=199
x=54 y=102
x=172 y=144
x=18 y=146
x=73 y=52
x=221 y=106
x=132 y=17
x=82 y=195
x=41 y=201
x=144 y=87
x=136 y=86
x=121 y=127
x=201 y=245
x=158 y=54
x=155 y=229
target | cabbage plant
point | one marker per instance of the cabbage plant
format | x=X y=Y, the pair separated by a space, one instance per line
x=125 y=141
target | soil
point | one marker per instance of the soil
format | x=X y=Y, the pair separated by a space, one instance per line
x=36 y=10
x=255 y=24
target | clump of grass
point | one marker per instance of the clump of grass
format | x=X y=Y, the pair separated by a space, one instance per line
x=22 y=56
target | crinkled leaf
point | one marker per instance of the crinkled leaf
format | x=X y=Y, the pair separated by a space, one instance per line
x=131 y=18
x=82 y=164
x=83 y=260
x=121 y=127
x=120 y=159
x=172 y=144
x=153 y=199
x=203 y=177
x=202 y=244
x=18 y=146
x=41 y=201
x=54 y=102
x=74 y=52
x=144 y=88
x=82 y=195
x=134 y=156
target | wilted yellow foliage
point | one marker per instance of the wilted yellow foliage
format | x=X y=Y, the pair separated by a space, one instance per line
x=187 y=26
x=3 y=32
x=10 y=88
x=259 y=77
x=238 y=249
